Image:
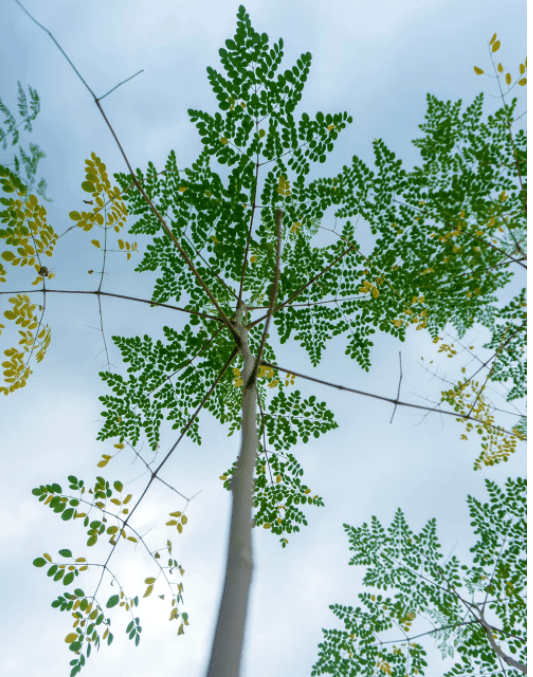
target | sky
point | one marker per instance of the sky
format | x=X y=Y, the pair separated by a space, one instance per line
x=375 y=59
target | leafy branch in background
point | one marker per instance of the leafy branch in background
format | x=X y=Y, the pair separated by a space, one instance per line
x=88 y=614
x=430 y=591
x=30 y=163
x=211 y=242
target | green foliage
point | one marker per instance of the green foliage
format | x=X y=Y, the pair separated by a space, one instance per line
x=87 y=612
x=399 y=559
x=276 y=500
x=30 y=164
x=431 y=265
x=436 y=260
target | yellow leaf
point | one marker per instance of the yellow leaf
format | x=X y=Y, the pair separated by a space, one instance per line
x=71 y=637
x=479 y=71
x=496 y=46
x=330 y=127
x=262 y=133
x=182 y=189
x=175 y=514
x=47 y=557
x=236 y=371
x=253 y=259
x=223 y=141
x=179 y=528
x=500 y=68
x=223 y=477
x=172 y=523
x=278 y=478
x=508 y=78
x=132 y=538
x=121 y=244
x=119 y=446
x=375 y=292
x=149 y=590
x=149 y=581
x=239 y=382
x=522 y=82
x=266 y=526
x=127 y=499
x=184 y=519
x=102 y=464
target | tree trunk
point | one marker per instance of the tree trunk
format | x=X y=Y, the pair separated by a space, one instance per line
x=229 y=634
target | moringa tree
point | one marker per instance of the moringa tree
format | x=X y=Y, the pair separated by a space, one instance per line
x=274 y=260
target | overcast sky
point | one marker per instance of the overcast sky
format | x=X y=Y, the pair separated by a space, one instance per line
x=375 y=59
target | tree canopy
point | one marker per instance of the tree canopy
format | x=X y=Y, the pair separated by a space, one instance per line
x=439 y=258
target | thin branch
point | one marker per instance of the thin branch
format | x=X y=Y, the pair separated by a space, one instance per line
x=398 y=395
x=118 y=296
x=245 y=262
x=273 y=295
x=380 y=397
x=120 y=83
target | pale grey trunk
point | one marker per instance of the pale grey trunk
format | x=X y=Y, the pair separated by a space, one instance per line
x=229 y=634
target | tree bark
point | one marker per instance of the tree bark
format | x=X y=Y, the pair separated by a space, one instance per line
x=228 y=642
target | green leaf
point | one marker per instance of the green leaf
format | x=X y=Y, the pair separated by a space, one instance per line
x=112 y=601
x=39 y=562
x=67 y=514
x=65 y=553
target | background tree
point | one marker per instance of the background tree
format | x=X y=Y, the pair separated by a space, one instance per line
x=30 y=163
x=95 y=171
x=399 y=559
